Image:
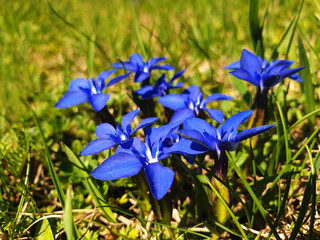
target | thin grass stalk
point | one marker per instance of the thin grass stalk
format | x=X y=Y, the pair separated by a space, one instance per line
x=254 y=197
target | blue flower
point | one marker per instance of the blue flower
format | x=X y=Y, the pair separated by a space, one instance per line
x=191 y=99
x=144 y=155
x=202 y=137
x=142 y=69
x=110 y=136
x=260 y=72
x=82 y=90
x=160 y=88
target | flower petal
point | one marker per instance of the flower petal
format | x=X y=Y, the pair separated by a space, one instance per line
x=296 y=77
x=105 y=129
x=99 y=101
x=154 y=61
x=233 y=66
x=250 y=62
x=163 y=67
x=144 y=90
x=137 y=60
x=245 y=75
x=101 y=78
x=177 y=75
x=145 y=122
x=117 y=166
x=215 y=97
x=178 y=85
x=97 y=145
x=186 y=146
x=72 y=98
x=193 y=92
x=141 y=76
x=173 y=101
x=78 y=84
x=288 y=72
x=127 y=119
x=181 y=115
x=126 y=65
x=277 y=66
x=215 y=114
x=160 y=179
x=117 y=79
x=234 y=121
x=192 y=135
x=198 y=124
x=248 y=133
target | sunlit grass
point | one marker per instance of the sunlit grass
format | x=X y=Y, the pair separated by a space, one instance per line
x=44 y=45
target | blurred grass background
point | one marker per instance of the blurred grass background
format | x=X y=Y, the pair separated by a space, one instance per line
x=44 y=45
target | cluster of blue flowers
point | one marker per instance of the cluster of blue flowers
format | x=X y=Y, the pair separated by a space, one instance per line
x=195 y=137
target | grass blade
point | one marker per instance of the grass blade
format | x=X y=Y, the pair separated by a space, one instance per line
x=308 y=193
x=227 y=208
x=285 y=133
x=254 y=197
x=290 y=30
x=44 y=231
x=54 y=176
x=67 y=217
x=308 y=89
x=88 y=183
x=255 y=29
x=137 y=32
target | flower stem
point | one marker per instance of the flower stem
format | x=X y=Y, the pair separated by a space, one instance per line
x=104 y=116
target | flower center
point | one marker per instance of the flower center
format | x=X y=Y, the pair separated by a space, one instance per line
x=123 y=137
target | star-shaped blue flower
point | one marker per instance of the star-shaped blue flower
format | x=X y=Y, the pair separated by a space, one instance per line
x=144 y=155
x=260 y=72
x=82 y=90
x=191 y=99
x=161 y=87
x=202 y=137
x=142 y=69
x=110 y=136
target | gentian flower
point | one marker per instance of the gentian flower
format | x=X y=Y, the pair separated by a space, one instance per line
x=82 y=90
x=191 y=99
x=146 y=155
x=262 y=74
x=160 y=88
x=110 y=136
x=142 y=69
x=202 y=137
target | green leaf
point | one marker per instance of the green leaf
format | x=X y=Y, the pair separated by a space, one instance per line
x=67 y=216
x=308 y=193
x=137 y=32
x=308 y=88
x=44 y=231
x=255 y=29
x=289 y=33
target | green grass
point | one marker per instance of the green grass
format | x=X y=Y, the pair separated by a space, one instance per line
x=44 y=45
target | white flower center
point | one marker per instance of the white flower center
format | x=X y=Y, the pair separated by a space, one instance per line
x=191 y=105
x=123 y=137
x=150 y=158
x=145 y=69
